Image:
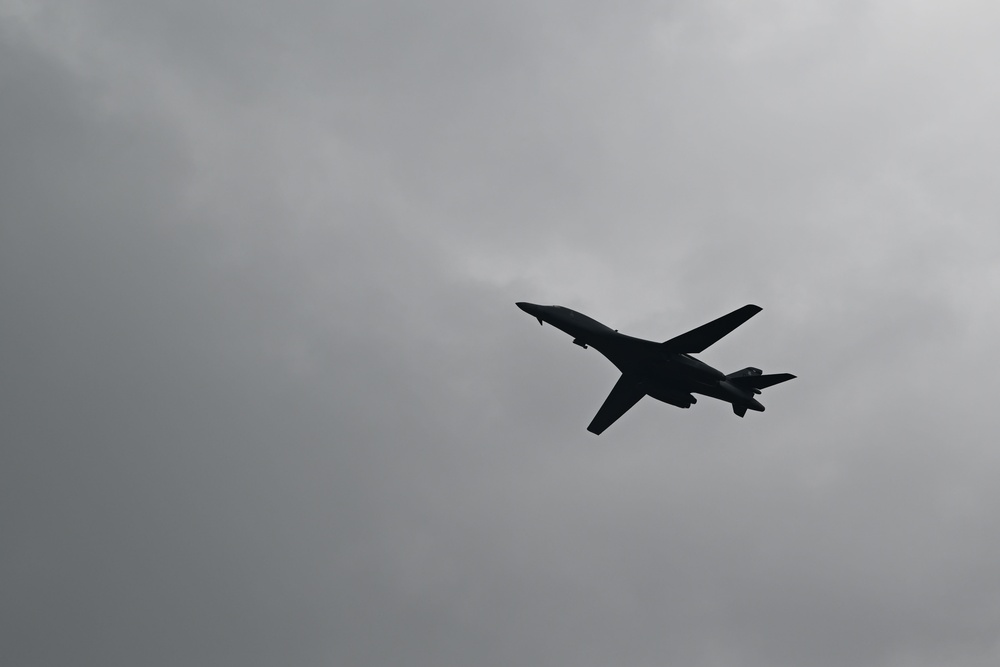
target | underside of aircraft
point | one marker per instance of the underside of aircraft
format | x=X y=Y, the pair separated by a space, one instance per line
x=665 y=371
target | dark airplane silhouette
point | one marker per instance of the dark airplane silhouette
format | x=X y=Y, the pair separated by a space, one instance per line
x=665 y=371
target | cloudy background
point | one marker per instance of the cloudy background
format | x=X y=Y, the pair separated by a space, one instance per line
x=265 y=398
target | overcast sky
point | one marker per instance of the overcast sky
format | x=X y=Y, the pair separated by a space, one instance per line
x=265 y=398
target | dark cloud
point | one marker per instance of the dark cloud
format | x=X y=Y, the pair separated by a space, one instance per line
x=266 y=397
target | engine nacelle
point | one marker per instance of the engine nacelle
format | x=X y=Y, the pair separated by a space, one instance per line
x=676 y=398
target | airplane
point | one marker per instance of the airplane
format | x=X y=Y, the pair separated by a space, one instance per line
x=665 y=371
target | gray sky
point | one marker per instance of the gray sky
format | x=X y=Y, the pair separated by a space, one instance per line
x=265 y=397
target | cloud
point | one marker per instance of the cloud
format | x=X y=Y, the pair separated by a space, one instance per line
x=266 y=396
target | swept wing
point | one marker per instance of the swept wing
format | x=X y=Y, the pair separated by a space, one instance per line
x=698 y=340
x=625 y=394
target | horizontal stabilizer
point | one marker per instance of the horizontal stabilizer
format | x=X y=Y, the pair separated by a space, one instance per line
x=760 y=381
x=698 y=340
x=749 y=370
x=623 y=396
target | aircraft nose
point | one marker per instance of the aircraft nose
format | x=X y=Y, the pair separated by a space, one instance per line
x=531 y=309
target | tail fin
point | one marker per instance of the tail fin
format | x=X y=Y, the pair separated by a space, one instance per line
x=746 y=372
x=751 y=378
